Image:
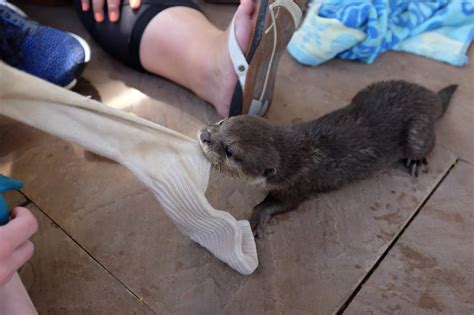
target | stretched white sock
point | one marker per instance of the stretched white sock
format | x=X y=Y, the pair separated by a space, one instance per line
x=169 y=163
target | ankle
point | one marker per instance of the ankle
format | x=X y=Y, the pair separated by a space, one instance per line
x=213 y=73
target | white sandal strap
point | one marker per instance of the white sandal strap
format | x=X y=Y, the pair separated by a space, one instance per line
x=236 y=55
x=292 y=7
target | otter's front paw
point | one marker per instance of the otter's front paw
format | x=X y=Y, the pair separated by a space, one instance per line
x=258 y=220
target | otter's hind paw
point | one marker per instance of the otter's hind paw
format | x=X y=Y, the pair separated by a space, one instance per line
x=414 y=166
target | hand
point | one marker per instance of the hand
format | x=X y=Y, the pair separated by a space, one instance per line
x=15 y=248
x=112 y=5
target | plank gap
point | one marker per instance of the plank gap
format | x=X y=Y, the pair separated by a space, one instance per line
x=394 y=241
x=139 y=299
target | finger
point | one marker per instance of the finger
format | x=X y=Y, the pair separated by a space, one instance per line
x=22 y=226
x=98 y=7
x=85 y=5
x=247 y=8
x=135 y=4
x=17 y=259
x=114 y=12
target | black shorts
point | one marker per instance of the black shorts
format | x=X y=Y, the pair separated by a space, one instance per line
x=122 y=39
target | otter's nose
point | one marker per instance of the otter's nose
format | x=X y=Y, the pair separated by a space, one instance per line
x=206 y=136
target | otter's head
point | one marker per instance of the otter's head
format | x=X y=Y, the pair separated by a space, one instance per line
x=242 y=146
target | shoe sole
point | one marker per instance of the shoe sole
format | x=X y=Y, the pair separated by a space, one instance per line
x=85 y=46
x=14 y=8
x=81 y=67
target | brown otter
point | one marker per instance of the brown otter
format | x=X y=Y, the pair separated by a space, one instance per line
x=385 y=122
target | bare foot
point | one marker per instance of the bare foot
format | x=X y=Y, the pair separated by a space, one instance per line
x=194 y=53
x=222 y=75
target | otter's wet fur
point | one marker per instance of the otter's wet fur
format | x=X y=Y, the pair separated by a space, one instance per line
x=386 y=122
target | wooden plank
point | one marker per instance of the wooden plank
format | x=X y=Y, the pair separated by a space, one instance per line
x=430 y=269
x=455 y=130
x=63 y=279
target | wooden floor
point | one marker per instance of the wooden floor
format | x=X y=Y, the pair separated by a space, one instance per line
x=389 y=244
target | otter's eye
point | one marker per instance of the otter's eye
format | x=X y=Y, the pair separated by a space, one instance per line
x=228 y=151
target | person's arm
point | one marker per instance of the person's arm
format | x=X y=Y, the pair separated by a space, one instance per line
x=15 y=250
x=14 y=298
x=15 y=246
x=113 y=7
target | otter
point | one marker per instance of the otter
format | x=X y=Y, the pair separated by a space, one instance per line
x=386 y=122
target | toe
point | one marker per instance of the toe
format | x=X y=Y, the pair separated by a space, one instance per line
x=243 y=24
x=246 y=7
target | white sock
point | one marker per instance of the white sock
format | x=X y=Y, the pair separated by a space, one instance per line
x=169 y=163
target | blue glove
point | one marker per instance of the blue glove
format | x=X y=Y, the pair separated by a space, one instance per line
x=6 y=184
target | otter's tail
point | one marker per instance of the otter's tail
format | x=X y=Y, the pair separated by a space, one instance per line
x=445 y=97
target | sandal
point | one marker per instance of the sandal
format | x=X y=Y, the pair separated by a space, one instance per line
x=277 y=20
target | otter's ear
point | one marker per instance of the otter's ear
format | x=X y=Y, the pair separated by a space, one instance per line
x=269 y=172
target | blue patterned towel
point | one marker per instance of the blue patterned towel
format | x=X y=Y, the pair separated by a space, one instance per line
x=364 y=29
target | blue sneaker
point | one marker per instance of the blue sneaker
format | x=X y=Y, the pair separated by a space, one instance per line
x=42 y=51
